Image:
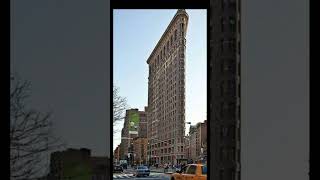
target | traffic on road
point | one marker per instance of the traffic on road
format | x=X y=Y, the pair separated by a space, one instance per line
x=195 y=171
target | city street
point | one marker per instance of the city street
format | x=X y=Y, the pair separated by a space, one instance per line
x=129 y=174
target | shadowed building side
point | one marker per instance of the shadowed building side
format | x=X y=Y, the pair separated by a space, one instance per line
x=78 y=164
x=224 y=72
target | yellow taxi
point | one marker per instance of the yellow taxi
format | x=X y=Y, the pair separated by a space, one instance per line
x=191 y=171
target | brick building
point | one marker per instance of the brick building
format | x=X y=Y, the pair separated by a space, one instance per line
x=166 y=93
x=129 y=132
x=116 y=154
x=198 y=141
x=140 y=150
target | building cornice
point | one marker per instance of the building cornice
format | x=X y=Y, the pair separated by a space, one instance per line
x=180 y=12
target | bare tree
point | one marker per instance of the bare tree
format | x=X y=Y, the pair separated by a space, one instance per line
x=119 y=106
x=31 y=137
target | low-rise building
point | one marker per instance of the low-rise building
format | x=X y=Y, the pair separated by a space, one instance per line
x=198 y=141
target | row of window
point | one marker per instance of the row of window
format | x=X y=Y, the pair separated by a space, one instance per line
x=167 y=150
x=164 y=134
x=169 y=97
x=166 y=48
x=167 y=77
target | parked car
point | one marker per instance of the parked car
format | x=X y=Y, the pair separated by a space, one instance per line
x=117 y=169
x=191 y=171
x=142 y=171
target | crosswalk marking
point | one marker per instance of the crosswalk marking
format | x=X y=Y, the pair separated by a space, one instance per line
x=123 y=176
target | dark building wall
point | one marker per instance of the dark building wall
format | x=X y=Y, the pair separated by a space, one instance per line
x=99 y=166
x=62 y=161
x=224 y=72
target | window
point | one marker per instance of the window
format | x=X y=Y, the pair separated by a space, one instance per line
x=175 y=34
x=222 y=66
x=221 y=45
x=233 y=154
x=232 y=23
x=182 y=32
x=224 y=131
x=221 y=88
x=239 y=25
x=192 y=169
x=231 y=44
x=232 y=132
x=221 y=153
x=222 y=24
x=238 y=131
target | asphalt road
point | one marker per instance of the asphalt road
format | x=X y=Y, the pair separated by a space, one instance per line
x=153 y=176
x=129 y=174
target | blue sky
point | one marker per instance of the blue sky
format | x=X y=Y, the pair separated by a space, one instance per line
x=135 y=34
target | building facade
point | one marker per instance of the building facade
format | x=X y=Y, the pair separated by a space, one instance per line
x=142 y=131
x=116 y=154
x=224 y=72
x=140 y=150
x=187 y=148
x=135 y=125
x=193 y=142
x=203 y=140
x=166 y=93
x=198 y=141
